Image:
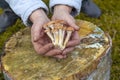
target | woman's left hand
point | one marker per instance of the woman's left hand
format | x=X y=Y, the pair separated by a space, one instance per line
x=62 y=12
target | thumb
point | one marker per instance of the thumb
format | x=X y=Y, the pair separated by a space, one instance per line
x=36 y=32
x=72 y=24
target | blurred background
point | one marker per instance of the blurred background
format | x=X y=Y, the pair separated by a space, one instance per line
x=109 y=22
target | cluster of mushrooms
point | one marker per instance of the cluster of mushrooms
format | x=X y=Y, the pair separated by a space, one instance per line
x=58 y=32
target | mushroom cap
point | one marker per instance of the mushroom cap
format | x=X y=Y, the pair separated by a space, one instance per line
x=58 y=26
x=47 y=30
x=57 y=23
x=54 y=30
x=64 y=28
x=45 y=26
x=51 y=22
x=70 y=29
x=60 y=21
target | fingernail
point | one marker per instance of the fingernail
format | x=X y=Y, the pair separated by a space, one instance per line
x=77 y=28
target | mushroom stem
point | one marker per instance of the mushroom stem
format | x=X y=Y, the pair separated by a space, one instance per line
x=51 y=26
x=69 y=32
x=62 y=37
x=56 y=36
x=59 y=27
x=50 y=35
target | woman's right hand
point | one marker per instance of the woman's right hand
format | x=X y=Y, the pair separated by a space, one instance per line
x=40 y=40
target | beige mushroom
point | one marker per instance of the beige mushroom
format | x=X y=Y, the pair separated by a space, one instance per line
x=51 y=24
x=60 y=21
x=48 y=32
x=62 y=37
x=59 y=27
x=56 y=36
x=56 y=30
x=69 y=32
x=45 y=26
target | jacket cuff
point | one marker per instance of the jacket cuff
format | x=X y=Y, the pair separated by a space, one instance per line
x=76 y=4
x=24 y=8
x=31 y=9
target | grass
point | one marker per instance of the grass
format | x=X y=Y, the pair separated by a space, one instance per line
x=109 y=22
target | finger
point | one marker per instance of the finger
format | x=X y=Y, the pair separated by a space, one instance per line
x=73 y=43
x=68 y=50
x=71 y=22
x=44 y=49
x=75 y=40
x=59 y=56
x=53 y=52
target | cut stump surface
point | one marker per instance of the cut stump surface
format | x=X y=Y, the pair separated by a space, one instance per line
x=90 y=59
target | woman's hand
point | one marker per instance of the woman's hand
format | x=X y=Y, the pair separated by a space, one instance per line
x=62 y=12
x=40 y=40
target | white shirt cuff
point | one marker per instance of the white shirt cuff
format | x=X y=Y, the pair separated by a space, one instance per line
x=76 y=4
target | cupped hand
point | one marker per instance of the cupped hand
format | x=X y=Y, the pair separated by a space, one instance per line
x=62 y=12
x=40 y=40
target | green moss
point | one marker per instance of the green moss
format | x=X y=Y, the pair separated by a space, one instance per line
x=109 y=22
x=11 y=30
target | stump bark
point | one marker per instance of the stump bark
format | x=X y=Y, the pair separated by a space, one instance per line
x=89 y=61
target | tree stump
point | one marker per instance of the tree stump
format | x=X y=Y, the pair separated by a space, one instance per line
x=89 y=61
